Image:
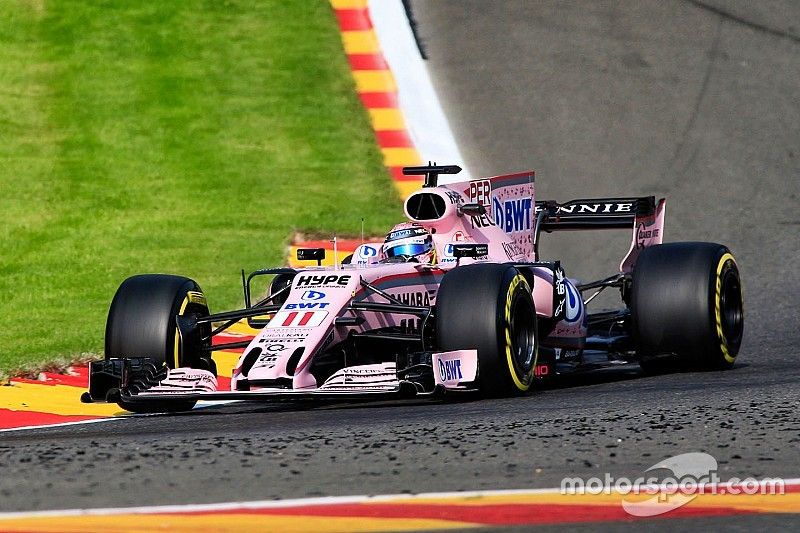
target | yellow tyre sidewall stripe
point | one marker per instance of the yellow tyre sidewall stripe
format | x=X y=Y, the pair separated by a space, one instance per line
x=176 y=352
x=524 y=383
x=192 y=297
x=723 y=344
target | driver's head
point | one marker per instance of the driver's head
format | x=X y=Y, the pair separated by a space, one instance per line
x=411 y=241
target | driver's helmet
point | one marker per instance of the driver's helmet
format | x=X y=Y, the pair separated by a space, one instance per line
x=411 y=241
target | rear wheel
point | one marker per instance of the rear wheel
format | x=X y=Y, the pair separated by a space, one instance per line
x=489 y=307
x=141 y=323
x=686 y=302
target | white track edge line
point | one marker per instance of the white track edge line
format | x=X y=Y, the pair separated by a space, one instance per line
x=417 y=98
x=63 y=424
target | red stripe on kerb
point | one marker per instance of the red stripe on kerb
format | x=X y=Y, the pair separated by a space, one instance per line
x=224 y=339
x=378 y=100
x=344 y=245
x=15 y=419
x=289 y=319
x=490 y=514
x=353 y=19
x=367 y=62
x=306 y=318
x=397 y=174
x=394 y=139
x=223 y=383
x=81 y=380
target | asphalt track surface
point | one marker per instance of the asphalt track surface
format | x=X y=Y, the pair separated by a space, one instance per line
x=694 y=101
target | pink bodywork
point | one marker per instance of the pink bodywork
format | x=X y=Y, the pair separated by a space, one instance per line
x=320 y=295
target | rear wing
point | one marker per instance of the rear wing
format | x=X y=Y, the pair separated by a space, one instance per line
x=597 y=213
x=643 y=215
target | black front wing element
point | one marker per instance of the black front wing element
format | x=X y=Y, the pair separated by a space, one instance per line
x=134 y=375
x=127 y=381
x=402 y=391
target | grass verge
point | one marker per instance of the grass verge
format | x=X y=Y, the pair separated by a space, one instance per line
x=181 y=137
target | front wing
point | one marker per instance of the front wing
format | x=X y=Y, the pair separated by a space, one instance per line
x=139 y=384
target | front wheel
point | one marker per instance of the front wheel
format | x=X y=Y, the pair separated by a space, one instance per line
x=141 y=323
x=141 y=320
x=686 y=301
x=489 y=307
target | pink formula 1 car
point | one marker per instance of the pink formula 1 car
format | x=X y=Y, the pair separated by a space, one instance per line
x=456 y=299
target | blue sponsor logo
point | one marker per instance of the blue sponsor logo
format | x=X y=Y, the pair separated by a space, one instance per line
x=574 y=304
x=312 y=305
x=366 y=252
x=513 y=215
x=448 y=250
x=312 y=296
x=450 y=370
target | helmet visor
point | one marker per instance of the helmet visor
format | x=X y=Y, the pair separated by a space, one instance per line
x=408 y=249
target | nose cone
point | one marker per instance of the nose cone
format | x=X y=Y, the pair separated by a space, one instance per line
x=274 y=365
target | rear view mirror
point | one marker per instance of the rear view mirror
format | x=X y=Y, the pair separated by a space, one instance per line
x=473 y=210
x=311 y=254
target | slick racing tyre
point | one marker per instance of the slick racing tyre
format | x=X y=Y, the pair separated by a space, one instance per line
x=489 y=307
x=141 y=320
x=686 y=301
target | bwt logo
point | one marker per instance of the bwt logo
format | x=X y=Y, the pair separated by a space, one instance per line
x=310 y=305
x=310 y=296
x=450 y=370
x=513 y=215
x=367 y=251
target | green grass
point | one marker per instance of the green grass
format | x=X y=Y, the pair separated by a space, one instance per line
x=183 y=137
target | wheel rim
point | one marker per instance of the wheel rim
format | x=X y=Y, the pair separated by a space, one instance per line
x=731 y=308
x=523 y=333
